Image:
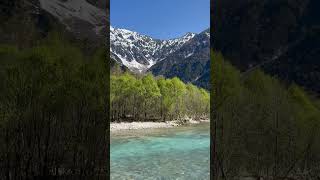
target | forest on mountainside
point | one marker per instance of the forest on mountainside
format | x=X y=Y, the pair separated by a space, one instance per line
x=261 y=127
x=282 y=37
x=147 y=98
x=53 y=110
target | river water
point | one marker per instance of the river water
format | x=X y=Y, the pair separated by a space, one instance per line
x=172 y=153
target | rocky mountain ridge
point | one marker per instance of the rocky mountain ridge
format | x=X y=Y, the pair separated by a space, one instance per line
x=139 y=52
x=186 y=57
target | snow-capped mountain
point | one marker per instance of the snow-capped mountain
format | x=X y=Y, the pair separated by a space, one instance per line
x=139 y=52
x=187 y=57
x=84 y=19
x=191 y=63
x=81 y=21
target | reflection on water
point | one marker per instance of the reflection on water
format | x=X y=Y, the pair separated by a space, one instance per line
x=174 y=153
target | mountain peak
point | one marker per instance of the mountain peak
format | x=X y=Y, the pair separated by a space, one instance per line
x=139 y=52
x=190 y=34
x=186 y=57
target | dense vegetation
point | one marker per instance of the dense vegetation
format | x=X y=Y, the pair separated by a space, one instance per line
x=145 y=98
x=284 y=33
x=53 y=110
x=261 y=127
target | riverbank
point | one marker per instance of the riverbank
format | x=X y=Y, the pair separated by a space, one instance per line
x=114 y=127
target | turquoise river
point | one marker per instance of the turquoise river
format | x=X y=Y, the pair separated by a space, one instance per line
x=172 y=153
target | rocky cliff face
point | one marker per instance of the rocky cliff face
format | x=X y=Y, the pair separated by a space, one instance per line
x=83 y=19
x=80 y=19
x=191 y=62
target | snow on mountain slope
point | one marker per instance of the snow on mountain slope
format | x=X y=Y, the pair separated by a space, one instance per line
x=139 y=52
x=191 y=63
x=77 y=15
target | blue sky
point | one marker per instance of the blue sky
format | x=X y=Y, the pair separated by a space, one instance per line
x=162 y=19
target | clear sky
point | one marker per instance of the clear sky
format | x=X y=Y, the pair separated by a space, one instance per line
x=162 y=19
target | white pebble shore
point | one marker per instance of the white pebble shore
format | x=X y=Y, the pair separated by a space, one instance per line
x=148 y=125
